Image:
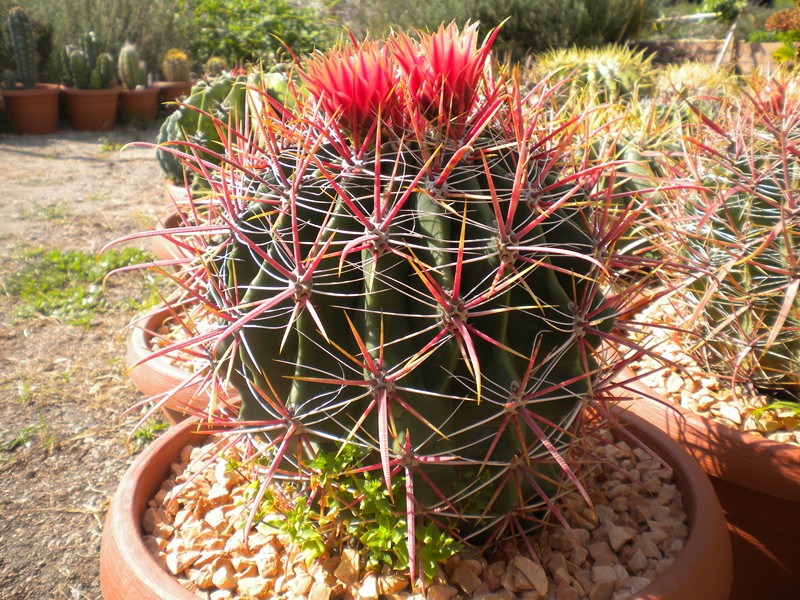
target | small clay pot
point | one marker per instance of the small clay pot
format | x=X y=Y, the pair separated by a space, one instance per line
x=138 y=106
x=32 y=111
x=159 y=377
x=91 y=110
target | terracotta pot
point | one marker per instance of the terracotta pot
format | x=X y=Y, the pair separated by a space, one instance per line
x=758 y=484
x=163 y=247
x=159 y=376
x=175 y=193
x=702 y=571
x=33 y=111
x=91 y=110
x=138 y=106
x=170 y=92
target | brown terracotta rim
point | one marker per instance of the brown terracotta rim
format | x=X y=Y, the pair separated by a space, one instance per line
x=745 y=459
x=702 y=571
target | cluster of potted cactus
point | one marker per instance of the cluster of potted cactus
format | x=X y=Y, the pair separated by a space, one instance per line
x=91 y=81
x=32 y=106
x=419 y=262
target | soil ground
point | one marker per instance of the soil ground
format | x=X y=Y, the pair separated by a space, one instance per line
x=63 y=387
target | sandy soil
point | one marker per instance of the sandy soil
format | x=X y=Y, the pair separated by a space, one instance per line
x=62 y=387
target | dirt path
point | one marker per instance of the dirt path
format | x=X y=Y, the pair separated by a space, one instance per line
x=62 y=387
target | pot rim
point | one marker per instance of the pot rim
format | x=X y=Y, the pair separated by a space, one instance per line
x=707 y=550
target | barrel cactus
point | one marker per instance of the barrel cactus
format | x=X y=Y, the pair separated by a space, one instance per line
x=175 y=65
x=612 y=72
x=197 y=121
x=132 y=69
x=411 y=263
x=743 y=235
x=210 y=104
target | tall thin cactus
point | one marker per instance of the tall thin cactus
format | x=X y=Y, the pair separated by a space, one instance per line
x=20 y=28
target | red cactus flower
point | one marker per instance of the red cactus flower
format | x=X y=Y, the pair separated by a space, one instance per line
x=443 y=70
x=354 y=84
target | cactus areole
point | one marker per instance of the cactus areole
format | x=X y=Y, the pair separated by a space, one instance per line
x=411 y=261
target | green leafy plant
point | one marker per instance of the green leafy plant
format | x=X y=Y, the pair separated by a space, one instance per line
x=64 y=285
x=255 y=31
x=786 y=24
x=416 y=259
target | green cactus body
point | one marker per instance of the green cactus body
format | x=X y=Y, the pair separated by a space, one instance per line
x=20 y=29
x=86 y=67
x=751 y=243
x=175 y=66
x=132 y=70
x=474 y=344
x=415 y=269
x=90 y=44
x=78 y=67
x=222 y=98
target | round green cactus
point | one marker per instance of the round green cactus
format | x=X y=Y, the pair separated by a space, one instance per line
x=743 y=235
x=411 y=259
x=614 y=72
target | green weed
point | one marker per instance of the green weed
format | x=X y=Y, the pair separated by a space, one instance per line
x=149 y=430
x=359 y=507
x=68 y=285
x=47 y=212
x=23 y=437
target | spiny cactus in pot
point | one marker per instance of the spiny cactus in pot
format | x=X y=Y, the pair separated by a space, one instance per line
x=89 y=75
x=175 y=65
x=614 y=72
x=131 y=68
x=20 y=33
x=414 y=266
x=85 y=66
x=32 y=107
x=742 y=231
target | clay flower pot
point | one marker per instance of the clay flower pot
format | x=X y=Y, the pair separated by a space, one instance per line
x=91 y=110
x=162 y=245
x=138 y=106
x=702 y=571
x=170 y=92
x=33 y=111
x=758 y=483
x=161 y=377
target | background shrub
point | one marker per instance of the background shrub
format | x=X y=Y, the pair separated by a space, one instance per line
x=255 y=30
x=532 y=26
